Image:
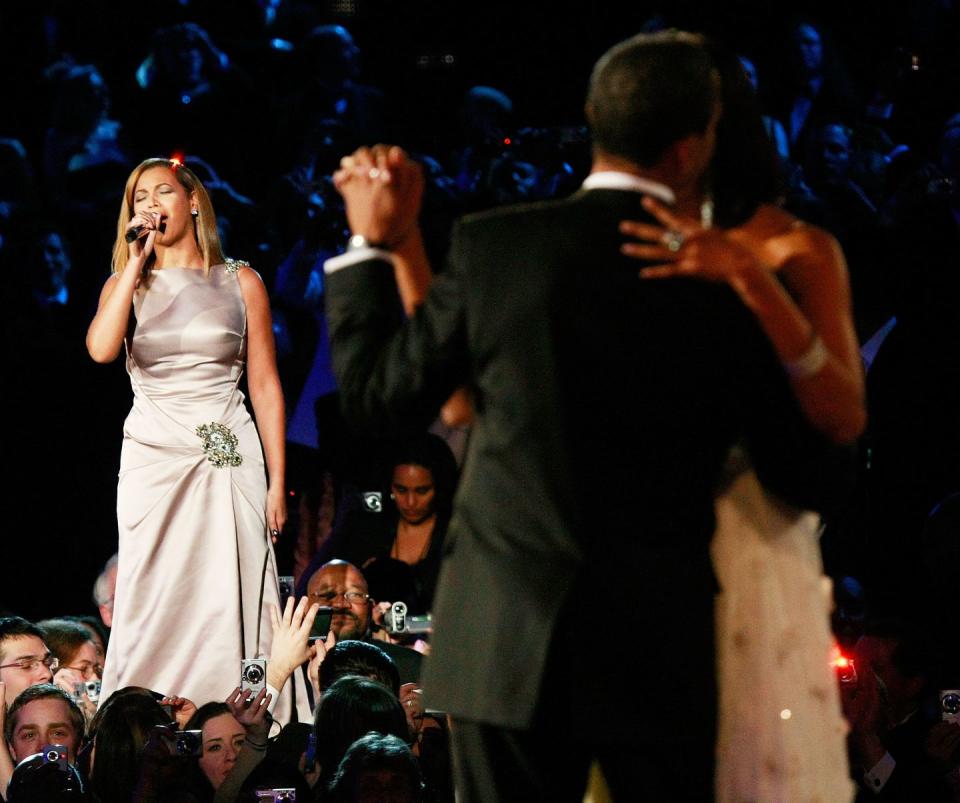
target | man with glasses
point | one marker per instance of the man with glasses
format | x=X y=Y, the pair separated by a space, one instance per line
x=342 y=586
x=24 y=658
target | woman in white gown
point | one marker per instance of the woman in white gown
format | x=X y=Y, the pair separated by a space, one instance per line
x=200 y=486
x=781 y=733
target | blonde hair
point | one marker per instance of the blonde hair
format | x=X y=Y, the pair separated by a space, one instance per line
x=205 y=223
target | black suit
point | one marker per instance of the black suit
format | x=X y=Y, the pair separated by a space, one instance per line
x=606 y=406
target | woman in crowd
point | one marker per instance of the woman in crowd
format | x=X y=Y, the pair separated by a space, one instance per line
x=80 y=662
x=399 y=549
x=377 y=768
x=195 y=510
x=349 y=709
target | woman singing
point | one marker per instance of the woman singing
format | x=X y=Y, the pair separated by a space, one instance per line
x=195 y=510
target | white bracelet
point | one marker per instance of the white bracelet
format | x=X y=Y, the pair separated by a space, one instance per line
x=810 y=362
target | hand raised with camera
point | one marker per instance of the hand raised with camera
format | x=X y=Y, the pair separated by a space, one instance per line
x=382 y=189
x=183 y=709
x=253 y=712
x=68 y=679
x=321 y=648
x=411 y=698
x=290 y=646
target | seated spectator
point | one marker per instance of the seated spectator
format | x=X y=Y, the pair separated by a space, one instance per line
x=428 y=734
x=342 y=586
x=350 y=708
x=195 y=83
x=224 y=737
x=399 y=548
x=80 y=137
x=51 y=288
x=24 y=658
x=96 y=631
x=104 y=588
x=41 y=715
x=361 y=659
x=79 y=661
x=893 y=738
x=119 y=732
x=815 y=88
x=73 y=647
x=377 y=769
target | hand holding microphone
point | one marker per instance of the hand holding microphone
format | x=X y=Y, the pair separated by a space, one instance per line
x=141 y=232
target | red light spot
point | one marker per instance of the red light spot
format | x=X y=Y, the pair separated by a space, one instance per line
x=507 y=141
x=176 y=160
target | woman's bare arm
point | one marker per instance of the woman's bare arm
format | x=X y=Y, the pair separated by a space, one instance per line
x=810 y=262
x=109 y=326
x=266 y=394
x=815 y=271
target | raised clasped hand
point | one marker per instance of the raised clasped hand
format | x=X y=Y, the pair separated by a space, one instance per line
x=681 y=246
x=382 y=189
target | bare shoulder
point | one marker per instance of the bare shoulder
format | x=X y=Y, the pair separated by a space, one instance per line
x=252 y=288
x=248 y=277
x=770 y=221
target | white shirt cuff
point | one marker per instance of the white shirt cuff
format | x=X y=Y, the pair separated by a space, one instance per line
x=274 y=697
x=355 y=257
x=877 y=777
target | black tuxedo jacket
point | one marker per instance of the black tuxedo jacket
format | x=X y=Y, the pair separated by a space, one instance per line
x=605 y=408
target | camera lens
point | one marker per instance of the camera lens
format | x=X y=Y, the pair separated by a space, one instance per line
x=951 y=703
x=52 y=755
x=253 y=674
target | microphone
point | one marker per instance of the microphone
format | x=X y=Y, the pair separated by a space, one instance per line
x=142 y=231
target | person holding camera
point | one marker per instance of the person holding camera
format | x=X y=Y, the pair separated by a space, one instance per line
x=398 y=547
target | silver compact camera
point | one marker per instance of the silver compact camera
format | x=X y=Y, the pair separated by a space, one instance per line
x=189 y=743
x=373 y=501
x=950 y=705
x=253 y=675
x=90 y=687
x=396 y=621
x=277 y=795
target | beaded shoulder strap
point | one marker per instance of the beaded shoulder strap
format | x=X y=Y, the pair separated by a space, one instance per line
x=233 y=265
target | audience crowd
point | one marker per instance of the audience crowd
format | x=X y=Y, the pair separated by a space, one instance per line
x=262 y=109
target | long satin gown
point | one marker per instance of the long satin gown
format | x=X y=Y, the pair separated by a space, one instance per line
x=194 y=551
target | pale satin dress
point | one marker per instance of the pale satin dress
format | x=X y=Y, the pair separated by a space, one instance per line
x=194 y=550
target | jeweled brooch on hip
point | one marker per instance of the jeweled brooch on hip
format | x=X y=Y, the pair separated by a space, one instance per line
x=219 y=444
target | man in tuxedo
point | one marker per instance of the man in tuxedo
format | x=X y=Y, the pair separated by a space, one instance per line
x=573 y=618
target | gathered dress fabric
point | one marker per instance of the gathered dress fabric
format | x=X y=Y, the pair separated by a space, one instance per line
x=193 y=546
x=781 y=732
